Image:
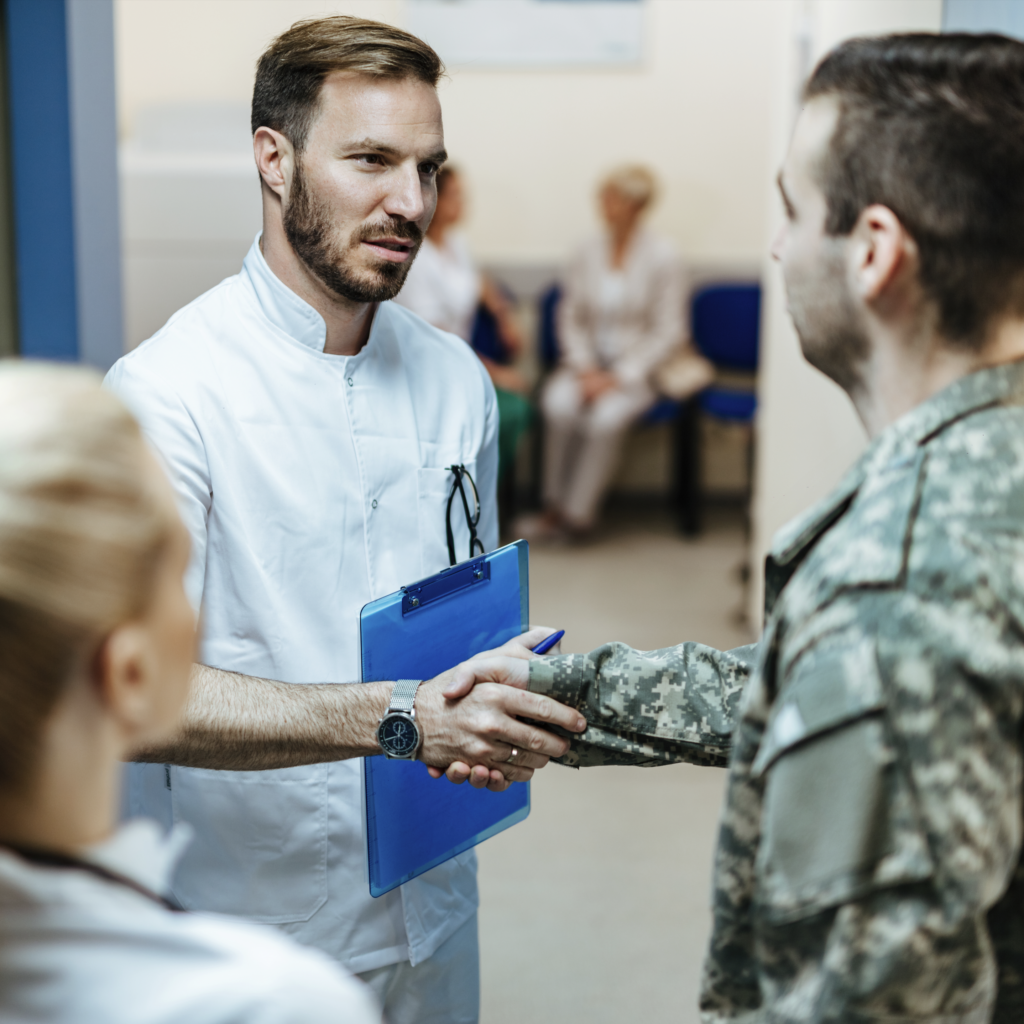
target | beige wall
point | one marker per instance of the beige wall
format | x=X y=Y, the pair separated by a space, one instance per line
x=807 y=434
x=531 y=142
x=711 y=109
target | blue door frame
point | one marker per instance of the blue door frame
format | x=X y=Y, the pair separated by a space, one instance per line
x=63 y=142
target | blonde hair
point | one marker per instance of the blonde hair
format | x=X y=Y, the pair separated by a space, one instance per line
x=82 y=532
x=633 y=181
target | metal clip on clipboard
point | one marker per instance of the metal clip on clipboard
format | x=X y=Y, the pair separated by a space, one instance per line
x=449 y=581
x=414 y=822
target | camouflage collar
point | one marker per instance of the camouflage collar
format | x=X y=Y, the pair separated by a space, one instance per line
x=897 y=445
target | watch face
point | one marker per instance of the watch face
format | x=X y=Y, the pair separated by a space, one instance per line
x=397 y=735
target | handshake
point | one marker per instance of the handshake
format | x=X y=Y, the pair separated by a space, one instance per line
x=480 y=723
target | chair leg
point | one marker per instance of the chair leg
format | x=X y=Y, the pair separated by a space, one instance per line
x=686 y=468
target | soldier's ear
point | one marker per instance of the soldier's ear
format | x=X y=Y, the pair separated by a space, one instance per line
x=880 y=250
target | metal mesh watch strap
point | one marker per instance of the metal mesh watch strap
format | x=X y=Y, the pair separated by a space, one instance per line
x=403 y=696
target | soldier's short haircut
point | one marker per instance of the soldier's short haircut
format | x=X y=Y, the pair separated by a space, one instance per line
x=932 y=126
x=291 y=72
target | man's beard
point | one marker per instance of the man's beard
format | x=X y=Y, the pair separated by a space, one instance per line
x=828 y=322
x=308 y=227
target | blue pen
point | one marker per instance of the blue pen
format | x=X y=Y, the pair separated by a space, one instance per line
x=545 y=645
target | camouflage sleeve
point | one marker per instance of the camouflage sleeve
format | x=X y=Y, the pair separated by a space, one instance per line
x=649 y=707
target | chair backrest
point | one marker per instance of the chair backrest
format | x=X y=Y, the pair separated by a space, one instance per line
x=548 y=349
x=485 y=339
x=726 y=324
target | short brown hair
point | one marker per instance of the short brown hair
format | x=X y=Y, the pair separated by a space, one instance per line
x=932 y=126
x=289 y=75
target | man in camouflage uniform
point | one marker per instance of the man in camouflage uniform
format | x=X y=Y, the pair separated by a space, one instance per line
x=869 y=860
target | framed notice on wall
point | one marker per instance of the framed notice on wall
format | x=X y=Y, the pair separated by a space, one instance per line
x=531 y=33
x=1006 y=16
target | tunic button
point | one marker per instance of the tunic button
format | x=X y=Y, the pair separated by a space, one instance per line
x=373 y=504
x=350 y=382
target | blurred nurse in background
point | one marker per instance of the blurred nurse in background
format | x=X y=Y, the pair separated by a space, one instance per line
x=97 y=640
x=445 y=287
x=620 y=319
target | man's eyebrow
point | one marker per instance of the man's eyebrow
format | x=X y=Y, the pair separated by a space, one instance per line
x=374 y=146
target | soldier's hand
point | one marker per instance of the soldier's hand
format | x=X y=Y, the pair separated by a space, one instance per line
x=483 y=729
x=520 y=647
x=490 y=667
x=511 y=671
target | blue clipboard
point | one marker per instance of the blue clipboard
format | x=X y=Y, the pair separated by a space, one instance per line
x=414 y=822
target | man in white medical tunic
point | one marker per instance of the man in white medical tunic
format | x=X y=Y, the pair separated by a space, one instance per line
x=309 y=426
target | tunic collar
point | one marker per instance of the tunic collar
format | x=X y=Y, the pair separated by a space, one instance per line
x=139 y=850
x=282 y=307
x=896 y=445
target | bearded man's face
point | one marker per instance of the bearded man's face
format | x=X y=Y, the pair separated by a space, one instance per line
x=363 y=190
x=340 y=262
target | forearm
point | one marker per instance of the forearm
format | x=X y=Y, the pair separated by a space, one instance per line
x=234 y=722
x=653 y=707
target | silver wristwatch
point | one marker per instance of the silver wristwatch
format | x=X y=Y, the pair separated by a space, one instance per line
x=397 y=732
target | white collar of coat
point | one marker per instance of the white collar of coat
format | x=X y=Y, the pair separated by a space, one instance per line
x=139 y=850
x=282 y=307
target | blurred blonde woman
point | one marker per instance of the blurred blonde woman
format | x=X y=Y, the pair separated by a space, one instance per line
x=446 y=288
x=621 y=317
x=97 y=640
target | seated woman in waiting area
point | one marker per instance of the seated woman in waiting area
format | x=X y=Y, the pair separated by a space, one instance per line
x=96 y=643
x=620 y=320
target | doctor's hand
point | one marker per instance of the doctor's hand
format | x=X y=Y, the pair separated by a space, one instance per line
x=483 y=729
x=518 y=647
x=491 y=668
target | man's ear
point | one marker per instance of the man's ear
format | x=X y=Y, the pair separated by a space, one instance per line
x=122 y=675
x=879 y=251
x=275 y=159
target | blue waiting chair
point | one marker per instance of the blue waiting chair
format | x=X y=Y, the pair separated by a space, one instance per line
x=726 y=328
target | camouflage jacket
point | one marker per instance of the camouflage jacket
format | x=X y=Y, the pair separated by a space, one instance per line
x=869 y=860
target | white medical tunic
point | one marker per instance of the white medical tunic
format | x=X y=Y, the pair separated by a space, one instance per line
x=311 y=484
x=79 y=949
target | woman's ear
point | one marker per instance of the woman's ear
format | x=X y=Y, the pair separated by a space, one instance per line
x=124 y=678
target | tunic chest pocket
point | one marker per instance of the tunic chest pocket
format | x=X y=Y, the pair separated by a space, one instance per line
x=260 y=846
x=434 y=486
x=839 y=818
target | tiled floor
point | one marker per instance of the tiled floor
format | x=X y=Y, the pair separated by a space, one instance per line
x=595 y=908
